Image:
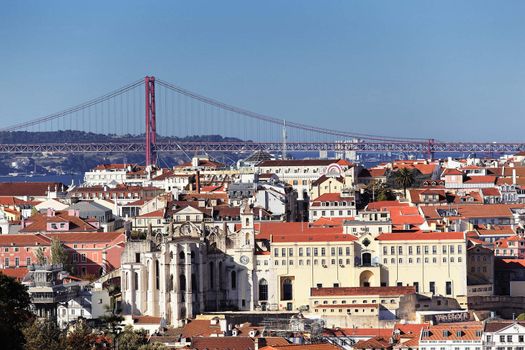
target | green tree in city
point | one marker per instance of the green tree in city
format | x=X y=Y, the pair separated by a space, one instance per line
x=58 y=253
x=404 y=178
x=80 y=337
x=40 y=256
x=43 y=334
x=14 y=312
x=129 y=339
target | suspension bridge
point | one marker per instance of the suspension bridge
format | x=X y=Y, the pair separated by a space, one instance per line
x=152 y=116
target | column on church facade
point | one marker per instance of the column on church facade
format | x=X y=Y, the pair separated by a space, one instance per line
x=201 y=278
x=175 y=292
x=187 y=272
x=151 y=286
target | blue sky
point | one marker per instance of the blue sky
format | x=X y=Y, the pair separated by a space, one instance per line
x=444 y=69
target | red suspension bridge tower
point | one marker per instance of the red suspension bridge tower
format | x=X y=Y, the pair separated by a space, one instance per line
x=151 y=123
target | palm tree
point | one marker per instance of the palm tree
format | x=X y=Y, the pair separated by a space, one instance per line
x=404 y=177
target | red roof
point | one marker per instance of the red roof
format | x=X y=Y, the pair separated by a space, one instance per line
x=87 y=237
x=153 y=214
x=303 y=162
x=265 y=229
x=481 y=179
x=332 y=197
x=385 y=204
x=492 y=191
x=36 y=189
x=18 y=273
x=452 y=172
x=22 y=240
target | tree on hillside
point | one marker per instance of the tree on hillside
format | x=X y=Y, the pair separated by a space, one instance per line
x=43 y=334
x=404 y=178
x=14 y=312
x=378 y=191
x=58 y=253
x=40 y=256
x=80 y=337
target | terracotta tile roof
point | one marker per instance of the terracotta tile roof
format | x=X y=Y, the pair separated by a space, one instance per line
x=223 y=343
x=456 y=331
x=146 y=320
x=87 y=237
x=452 y=172
x=349 y=291
x=35 y=189
x=385 y=204
x=492 y=191
x=18 y=273
x=38 y=222
x=265 y=229
x=153 y=214
x=22 y=240
x=336 y=221
x=303 y=347
x=323 y=178
x=273 y=341
x=314 y=237
x=375 y=343
x=496 y=326
x=405 y=216
x=200 y=328
x=421 y=236
x=482 y=179
x=361 y=332
x=331 y=197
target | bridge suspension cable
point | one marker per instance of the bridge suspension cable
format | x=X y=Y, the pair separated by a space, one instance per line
x=76 y=108
x=278 y=121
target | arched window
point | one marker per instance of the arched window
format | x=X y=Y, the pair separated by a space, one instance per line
x=181 y=255
x=182 y=283
x=157 y=275
x=212 y=275
x=263 y=289
x=170 y=285
x=287 y=289
x=136 y=280
x=234 y=280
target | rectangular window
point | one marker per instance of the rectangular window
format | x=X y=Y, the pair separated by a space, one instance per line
x=28 y=261
x=448 y=288
x=418 y=250
x=410 y=250
x=307 y=251
x=340 y=250
x=444 y=249
x=83 y=257
x=276 y=252
x=392 y=250
x=432 y=287
x=283 y=251
x=316 y=251
x=6 y=262
x=323 y=251
x=347 y=250
x=332 y=251
x=301 y=251
x=460 y=249
x=426 y=249
x=416 y=286
x=17 y=262
x=400 y=250
x=434 y=249
x=451 y=249
x=290 y=251
x=385 y=250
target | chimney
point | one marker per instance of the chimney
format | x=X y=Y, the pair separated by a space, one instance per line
x=198 y=182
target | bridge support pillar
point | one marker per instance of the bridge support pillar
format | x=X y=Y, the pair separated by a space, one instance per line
x=151 y=128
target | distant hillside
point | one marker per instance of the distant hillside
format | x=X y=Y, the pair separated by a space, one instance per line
x=71 y=136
